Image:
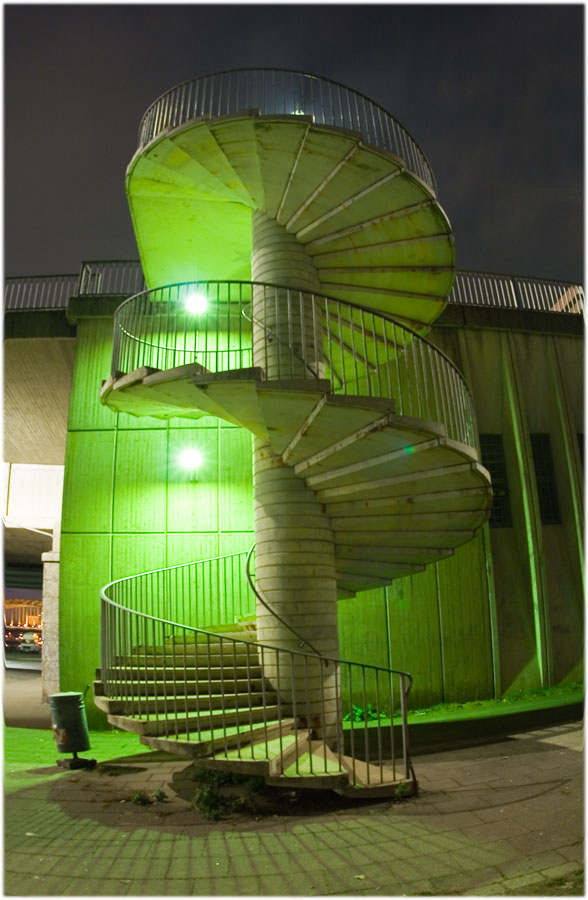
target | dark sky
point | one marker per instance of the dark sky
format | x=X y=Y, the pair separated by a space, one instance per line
x=492 y=94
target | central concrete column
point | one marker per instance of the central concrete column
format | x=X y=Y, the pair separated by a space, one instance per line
x=287 y=322
x=295 y=551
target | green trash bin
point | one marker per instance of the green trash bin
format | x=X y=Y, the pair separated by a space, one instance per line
x=70 y=728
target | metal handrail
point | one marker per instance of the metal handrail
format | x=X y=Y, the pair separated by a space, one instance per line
x=270 y=609
x=111 y=277
x=516 y=292
x=161 y=588
x=284 y=92
x=38 y=292
x=360 y=351
x=135 y=641
x=470 y=288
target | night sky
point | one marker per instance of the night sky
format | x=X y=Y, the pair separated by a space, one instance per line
x=492 y=94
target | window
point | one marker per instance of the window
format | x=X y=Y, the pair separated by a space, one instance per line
x=493 y=460
x=545 y=478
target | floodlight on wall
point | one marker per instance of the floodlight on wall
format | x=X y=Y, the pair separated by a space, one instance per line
x=191 y=460
x=196 y=302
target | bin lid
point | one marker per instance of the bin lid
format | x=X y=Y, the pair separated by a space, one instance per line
x=65 y=695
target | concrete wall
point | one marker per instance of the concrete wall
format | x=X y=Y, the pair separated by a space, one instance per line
x=526 y=374
x=504 y=613
x=128 y=507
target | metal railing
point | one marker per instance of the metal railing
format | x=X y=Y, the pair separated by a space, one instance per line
x=119 y=277
x=30 y=292
x=192 y=684
x=125 y=278
x=516 y=292
x=284 y=92
x=262 y=599
x=288 y=333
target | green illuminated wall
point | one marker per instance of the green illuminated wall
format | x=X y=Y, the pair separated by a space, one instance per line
x=435 y=625
x=526 y=375
x=504 y=613
x=128 y=507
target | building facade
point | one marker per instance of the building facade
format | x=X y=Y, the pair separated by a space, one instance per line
x=338 y=274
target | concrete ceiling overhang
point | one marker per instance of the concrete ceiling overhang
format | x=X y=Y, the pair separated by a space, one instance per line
x=37 y=385
x=23 y=547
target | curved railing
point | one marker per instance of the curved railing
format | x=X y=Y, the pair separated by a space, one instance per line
x=288 y=333
x=262 y=599
x=154 y=646
x=284 y=92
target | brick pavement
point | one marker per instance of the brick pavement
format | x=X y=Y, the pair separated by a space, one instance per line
x=498 y=818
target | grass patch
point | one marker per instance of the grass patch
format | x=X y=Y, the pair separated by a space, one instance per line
x=517 y=701
x=30 y=749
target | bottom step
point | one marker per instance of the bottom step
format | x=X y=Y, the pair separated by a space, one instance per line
x=287 y=758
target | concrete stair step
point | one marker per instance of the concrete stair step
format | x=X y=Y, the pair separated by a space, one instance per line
x=215 y=177
x=202 y=674
x=323 y=184
x=202 y=744
x=134 y=683
x=360 y=553
x=387 y=434
x=206 y=721
x=177 y=701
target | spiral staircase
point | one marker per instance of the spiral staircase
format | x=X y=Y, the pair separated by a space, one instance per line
x=321 y=214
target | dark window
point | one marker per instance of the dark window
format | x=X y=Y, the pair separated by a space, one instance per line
x=493 y=460
x=545 y=478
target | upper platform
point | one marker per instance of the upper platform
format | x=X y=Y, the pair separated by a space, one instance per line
x=331 y=166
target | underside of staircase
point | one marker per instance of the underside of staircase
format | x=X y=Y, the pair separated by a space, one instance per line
x=398 y=492
x=336 y=258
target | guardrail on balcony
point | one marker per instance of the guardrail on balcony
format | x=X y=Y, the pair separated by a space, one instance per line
x=119 y=277
x=227 y=325
x=30 y=292
x=516 y=292
x=284 y=92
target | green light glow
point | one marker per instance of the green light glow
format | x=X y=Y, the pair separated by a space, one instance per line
x=196 y=302
x=191 y=459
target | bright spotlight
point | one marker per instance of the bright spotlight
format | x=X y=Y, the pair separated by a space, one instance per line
x=190 y=459
x=196 y=303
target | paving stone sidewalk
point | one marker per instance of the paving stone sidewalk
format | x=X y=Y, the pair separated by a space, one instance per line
x=494 y=819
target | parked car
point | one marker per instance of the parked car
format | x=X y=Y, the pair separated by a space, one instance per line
x=30 y=642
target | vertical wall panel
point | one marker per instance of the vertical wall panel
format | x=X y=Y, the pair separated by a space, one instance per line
x=87 y=481
x=465 y=624
x=134 y=553
x=415 y=642
x=84 y=569
x=193 y=496
x=91 y=368
x=235 y=479
x=139 y=487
